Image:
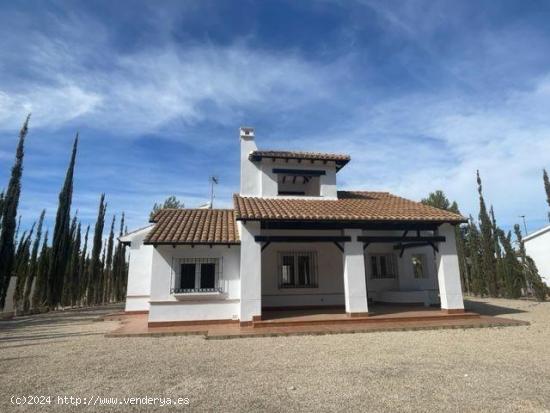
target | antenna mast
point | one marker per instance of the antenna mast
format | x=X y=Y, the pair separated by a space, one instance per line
x=213 y=180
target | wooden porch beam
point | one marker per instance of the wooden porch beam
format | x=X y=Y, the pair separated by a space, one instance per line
x=411 y=245
x=405 y=239
x=339 y=246
x=298 y=172
x=305 y=238
x=403 y=247
x=366 y=225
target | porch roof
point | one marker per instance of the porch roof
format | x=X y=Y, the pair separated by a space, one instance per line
x=351 y=206
x=193 y=226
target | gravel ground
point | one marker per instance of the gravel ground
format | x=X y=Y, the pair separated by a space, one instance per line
x=495 y=369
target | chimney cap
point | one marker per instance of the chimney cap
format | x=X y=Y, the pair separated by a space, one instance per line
x=246 y=132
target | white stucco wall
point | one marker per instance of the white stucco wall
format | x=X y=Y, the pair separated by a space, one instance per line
x=537 y=246
x=139 y=271
x=165 y=306
x=448 y=273
x=250 y=272
x=355 y=280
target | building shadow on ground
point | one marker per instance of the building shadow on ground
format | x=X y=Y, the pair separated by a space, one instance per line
x=485 y=308
x=58 y=318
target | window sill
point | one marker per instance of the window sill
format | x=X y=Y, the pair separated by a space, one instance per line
x=200 y=295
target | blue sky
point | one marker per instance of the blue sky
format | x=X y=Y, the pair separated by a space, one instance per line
x=420 y=93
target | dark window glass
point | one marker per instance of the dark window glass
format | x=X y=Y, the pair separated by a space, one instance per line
x=187 y=279
x=288 y=270
x=303 y=270
x=374 y=267
x=208 y=275
x=383 y=266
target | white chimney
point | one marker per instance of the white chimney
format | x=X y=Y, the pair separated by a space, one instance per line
x=250 y=174
x=247 y=132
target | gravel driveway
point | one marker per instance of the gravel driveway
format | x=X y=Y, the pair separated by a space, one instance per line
x=495 y=369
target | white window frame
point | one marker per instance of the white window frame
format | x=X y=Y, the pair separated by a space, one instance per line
x=423 y=262
x=198 y=261
x=390 y=258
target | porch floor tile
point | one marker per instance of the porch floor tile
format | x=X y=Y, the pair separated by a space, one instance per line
x=311 y=323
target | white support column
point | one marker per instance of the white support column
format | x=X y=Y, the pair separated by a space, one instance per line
x=251 y=273
x=355 y=287
x=448 y=273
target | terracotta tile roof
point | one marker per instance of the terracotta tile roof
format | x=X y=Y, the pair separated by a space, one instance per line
x=340 y=159
x=194 y=226
x=350 y=206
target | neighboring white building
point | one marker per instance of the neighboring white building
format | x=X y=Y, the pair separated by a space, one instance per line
x=537 y=246
x=292 y=241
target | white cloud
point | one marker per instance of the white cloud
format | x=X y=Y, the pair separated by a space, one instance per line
x=410 y=144
x=83 y=79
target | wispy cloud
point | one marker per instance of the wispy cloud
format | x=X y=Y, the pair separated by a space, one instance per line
x=141 y=91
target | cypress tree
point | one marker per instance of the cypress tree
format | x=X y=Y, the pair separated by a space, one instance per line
x=33 y=266
x=61 y=235
x=109 y=263
x=119 y=264
x=546 y=188
x=1 y=208
x=22 y=268
x=513 y=279
x=95 y=264
x=67 y=292
x=500 y=263
x=474 y=251
x=82 y=268
x=17 y=230
x=488 y=260
x=75 y=267
x=39 y=294
x=9 y=215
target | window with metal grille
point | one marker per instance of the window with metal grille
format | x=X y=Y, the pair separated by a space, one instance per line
x=297 y=269
x=382 y=266
x=197 y=275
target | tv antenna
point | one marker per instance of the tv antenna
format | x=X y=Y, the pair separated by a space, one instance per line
x=214 y=180
x=524 y=224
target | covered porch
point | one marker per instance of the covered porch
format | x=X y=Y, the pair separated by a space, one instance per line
x=319 y=272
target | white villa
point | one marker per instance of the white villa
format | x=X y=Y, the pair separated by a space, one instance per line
x=537 y=246
x=292 y=241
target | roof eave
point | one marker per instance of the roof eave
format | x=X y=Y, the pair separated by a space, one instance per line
x=356 y=221
x=154 y=243
x=340 y=163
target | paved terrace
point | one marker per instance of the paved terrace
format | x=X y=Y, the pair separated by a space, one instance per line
x=315 y=322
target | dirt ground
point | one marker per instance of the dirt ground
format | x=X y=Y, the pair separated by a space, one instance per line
x=66 y=354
